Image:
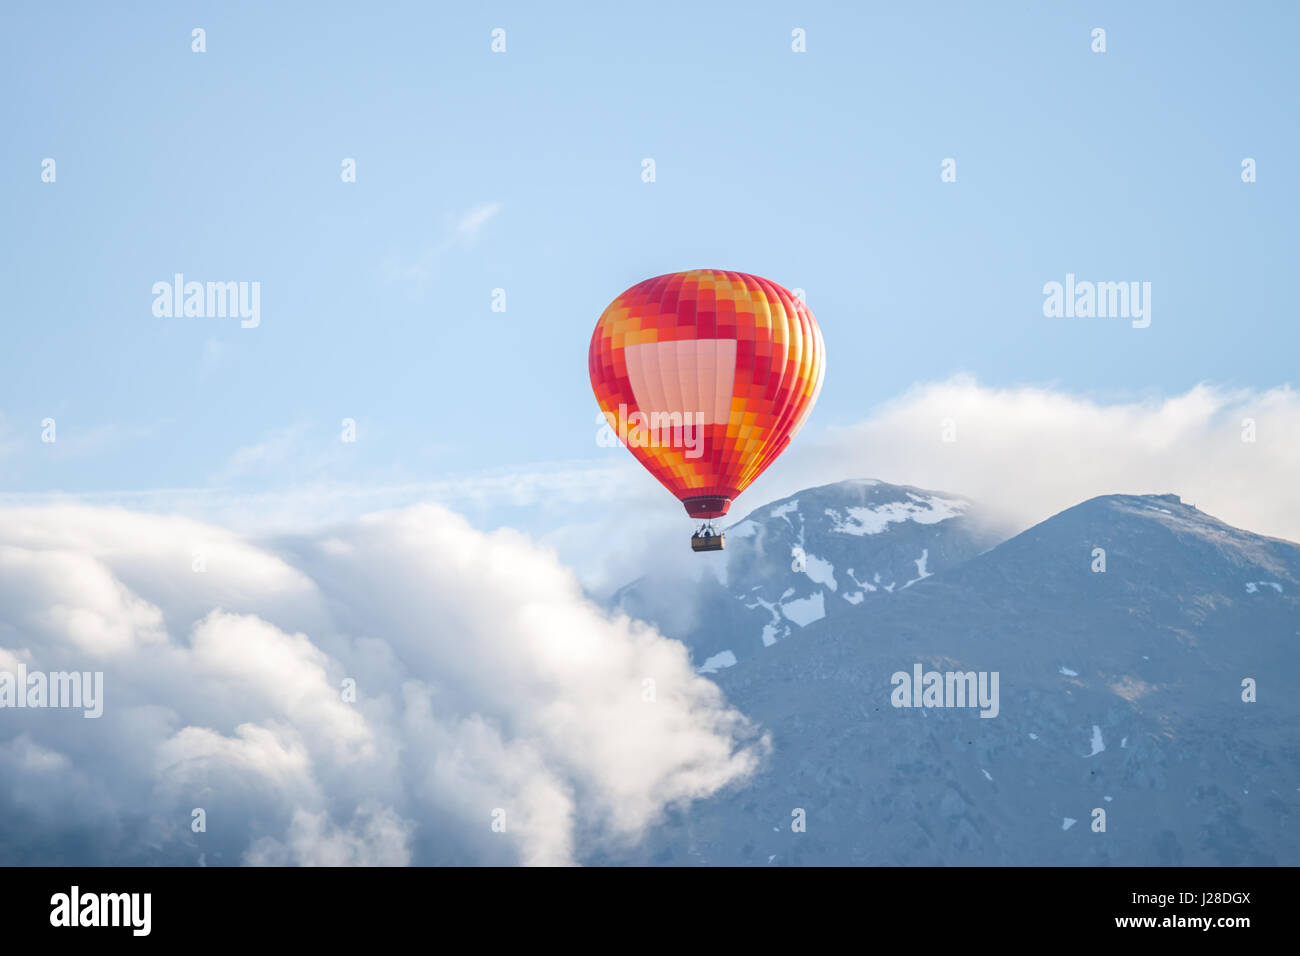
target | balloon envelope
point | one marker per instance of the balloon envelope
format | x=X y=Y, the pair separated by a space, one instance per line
x=705 y=376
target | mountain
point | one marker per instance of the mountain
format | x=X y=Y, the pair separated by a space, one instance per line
x=1126 y=634
x=820 y=554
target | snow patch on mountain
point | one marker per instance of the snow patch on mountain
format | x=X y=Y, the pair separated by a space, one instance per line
x=717 y=662
x=804 y=611
x=862 y=586
x=783 y=511
x=774 y=629
x=920 y=568
x=1098 y=745
x=864 y=520
x=1253 y=586
x=820 y=571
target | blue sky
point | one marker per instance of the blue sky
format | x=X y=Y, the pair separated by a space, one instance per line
x=522 y=171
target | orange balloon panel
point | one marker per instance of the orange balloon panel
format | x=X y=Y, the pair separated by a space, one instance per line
x=706 y=376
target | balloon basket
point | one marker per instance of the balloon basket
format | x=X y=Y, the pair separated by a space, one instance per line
x=707 y=538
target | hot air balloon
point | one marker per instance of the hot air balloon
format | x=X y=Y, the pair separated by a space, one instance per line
x=706 y=376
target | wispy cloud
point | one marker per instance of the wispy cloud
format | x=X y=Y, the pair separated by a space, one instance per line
x=461 y=231
x=272 y=452
x=76 y=442
x=1028 y=452
x=303 y=505
x=472 y=222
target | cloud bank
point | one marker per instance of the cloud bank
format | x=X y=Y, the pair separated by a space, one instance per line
x=498 y=716
x=1032 y=452
x=1026 y=452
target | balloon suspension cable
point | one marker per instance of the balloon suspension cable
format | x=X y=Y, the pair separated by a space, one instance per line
x=706 y=530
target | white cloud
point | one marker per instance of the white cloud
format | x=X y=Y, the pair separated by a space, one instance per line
x=377 y=838
x=576 y=488
x=484 y=682
x=472 y=222
x=1027 y=452
x=279 y=448
x=1032 y=452
x=461 y=231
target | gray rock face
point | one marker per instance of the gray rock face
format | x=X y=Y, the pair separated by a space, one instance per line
x=1121 y=734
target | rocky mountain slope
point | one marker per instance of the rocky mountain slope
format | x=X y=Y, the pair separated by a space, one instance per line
x=1147 y=657
x=820 y=555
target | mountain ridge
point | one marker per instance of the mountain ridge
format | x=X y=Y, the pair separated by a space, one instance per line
x=1123 y=688
x=818 y=553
